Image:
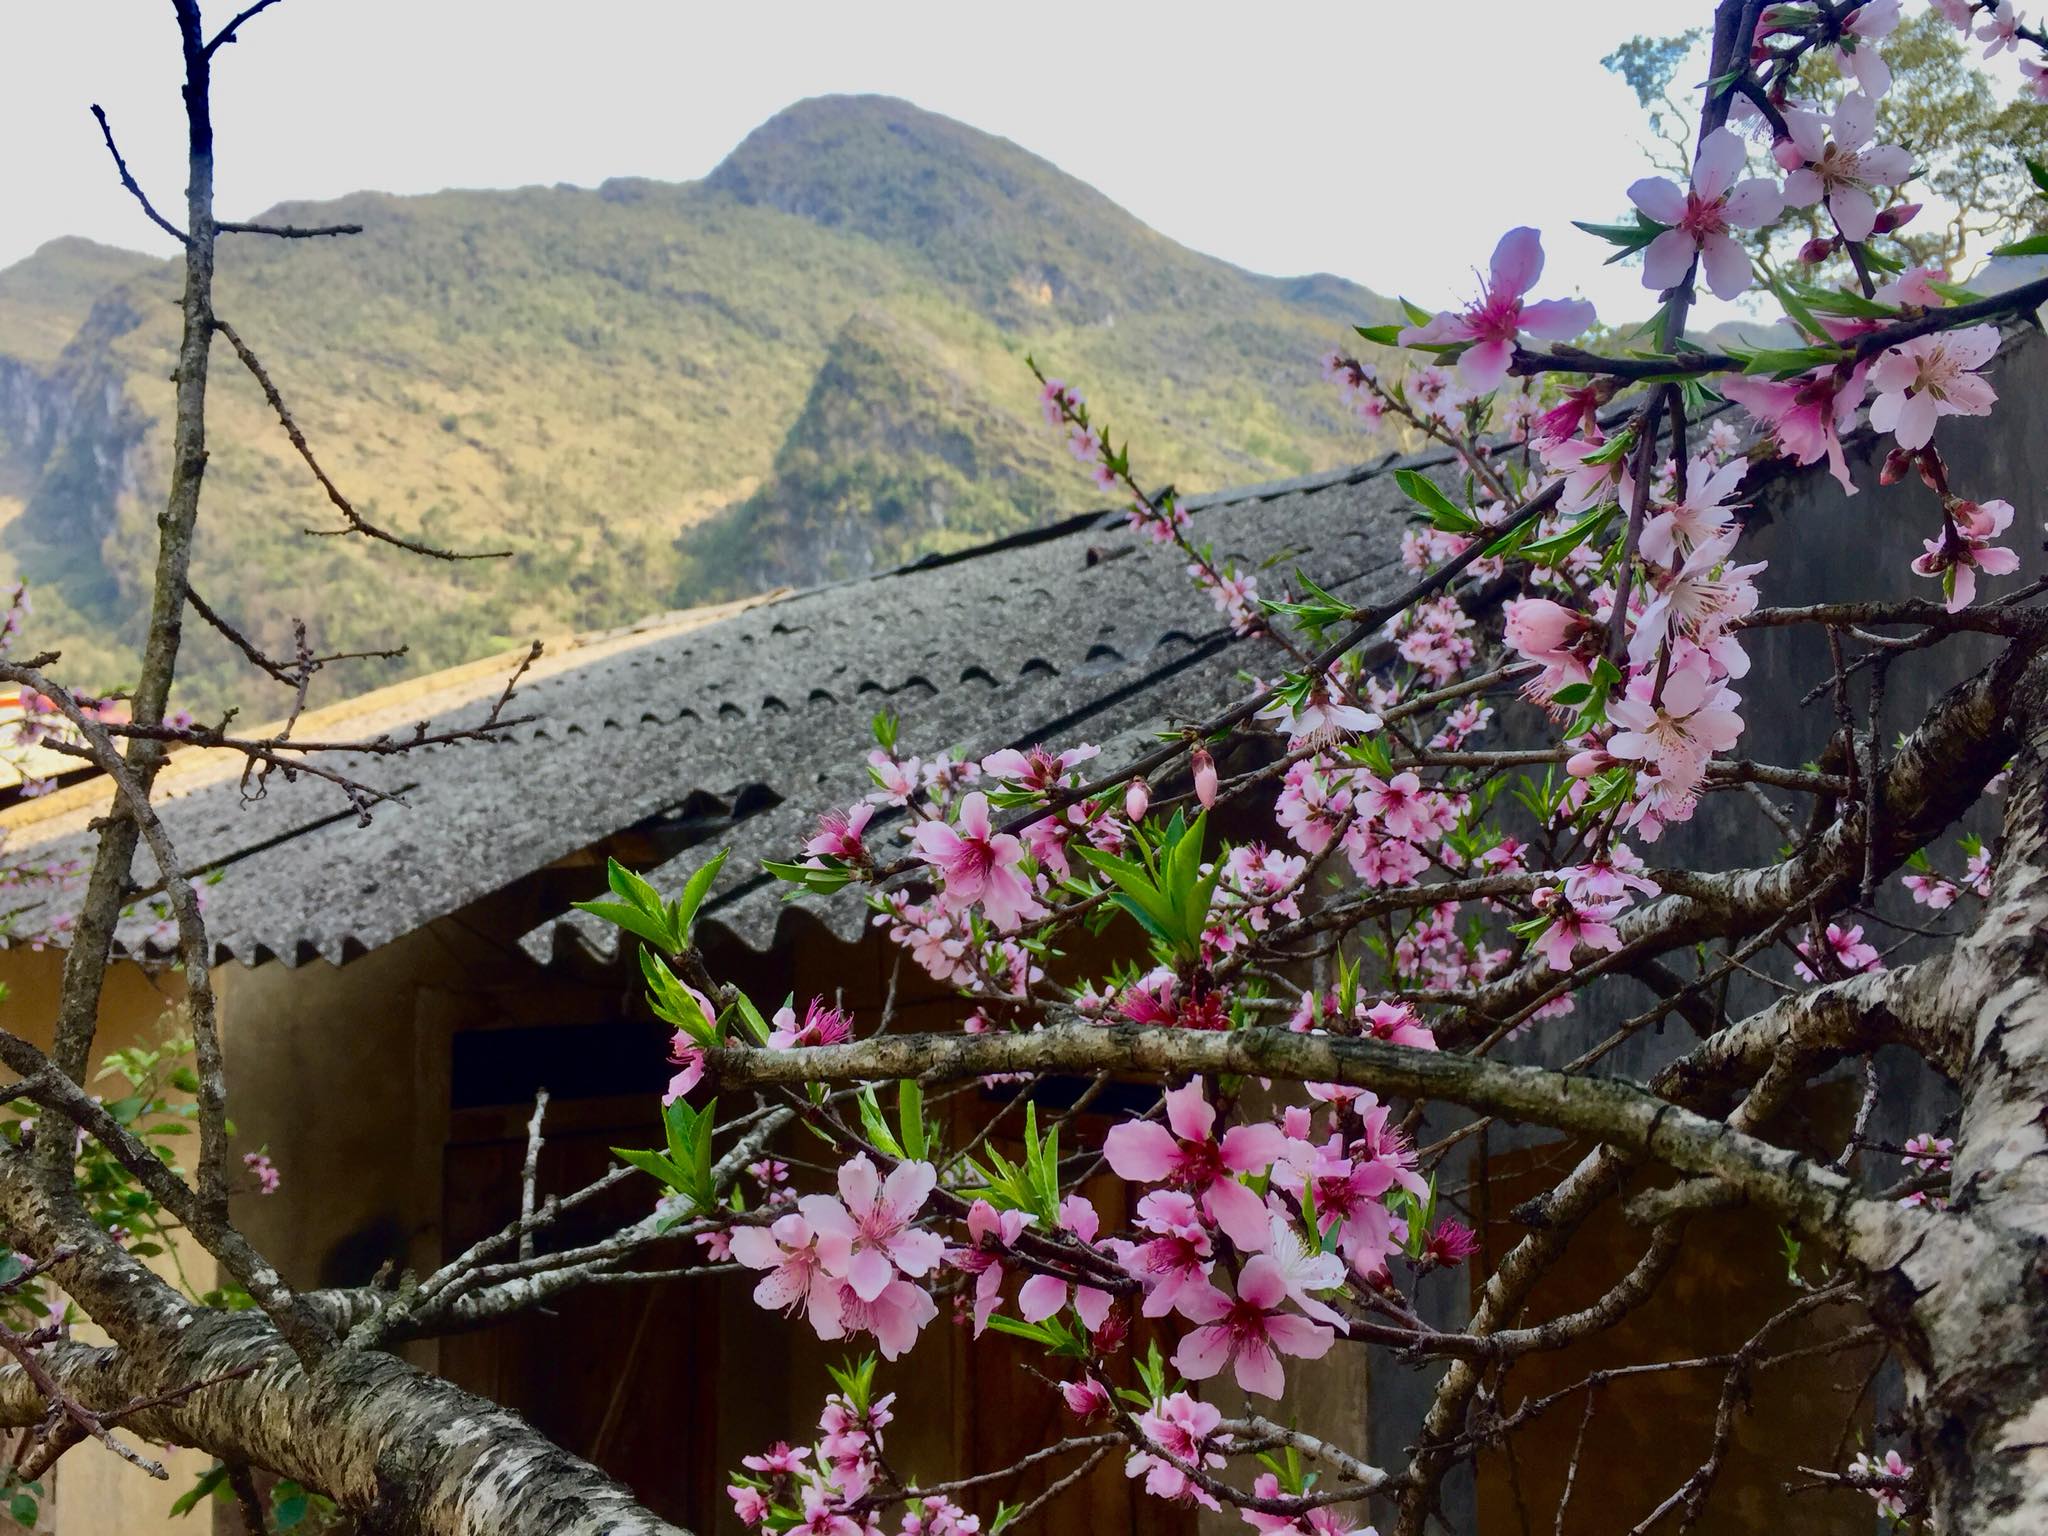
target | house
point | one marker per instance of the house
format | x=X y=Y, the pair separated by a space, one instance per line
x=393 y=995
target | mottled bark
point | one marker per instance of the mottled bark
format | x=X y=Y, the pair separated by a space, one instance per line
x=1968 y=1295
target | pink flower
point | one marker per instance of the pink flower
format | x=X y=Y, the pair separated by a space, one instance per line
x=1205 y=777
x=1890 y=1500
x=1915 y=285
x=896 y=781
x=1037 y=770
x=1931 y=891
x=749 y=1504
x=839 y=834
x=822 y=1517
x=789 y=1252
x=1304 y=1270
x=1184 y=1429
x=1451 y=1244
x=1833 y=158
x=1085 y=1398
x=1137 y=801
x=894 y=1315
x=1316 y=713
x=1847 y=949
x=1857 y=54
x=267 y=1178
x=1043 y=1295
x=1397 y=1024
x=1681 y=526
x=1248 y=1333
x=1571 y=926
x=822 y=1025
x=684 y=1053
x=1145 y=1152
x=1176 y=1258
x=779 y=1460
x=1499 y=316
x=1322 y=1521
x=990 y=1233
x=1808 y=414
x=1395 y=803
x=1922 y=380
x=1965 y=548
x=869 y=1236
x=1693 y=720
x=979 y=865
x=1700 y=218
x=1697 y=601
x=2001 y=30
x=1563 y=640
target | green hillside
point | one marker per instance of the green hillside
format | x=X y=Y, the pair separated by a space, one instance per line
x=807 y=365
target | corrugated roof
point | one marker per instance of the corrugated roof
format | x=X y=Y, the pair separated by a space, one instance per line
x=1083 y=630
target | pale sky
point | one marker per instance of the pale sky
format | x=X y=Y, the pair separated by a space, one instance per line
x=1378 y=139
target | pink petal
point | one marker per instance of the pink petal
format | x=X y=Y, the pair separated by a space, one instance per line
x=1668 y=259
x=1252 y=1148
x=1720 y=161
x=1995 y=561
x=1239 y=1212
x=858 y=1184
x=1093 y=1305
x=1481 y=368
x=1753 y=203
x=1041 y=1296
x=1727 y=266
x=1661 y=199
x=1887 y=164
x=1855 y=214
x=1190 y=1114
x=973 y=819
x=869 y=1273
x=1201 y=1302
x=1258 y=1369
x=907 y=1188
x=1443 y=329
x=1517 y=263
x=1141 y=1151
x=1299 y=1337
x=1262 y=1282
x=1202 y=1353
x=1916 y=421
x=1803 y=188
x=1557 y=319
x=916 y=1252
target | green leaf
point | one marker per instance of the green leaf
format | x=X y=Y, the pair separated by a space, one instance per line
x=23 y=1507
x=2033 y=245
x=1630 y=238
x=1788 y=360
x=288 y=1512
x=1443 y=512
x=685 y=910
x=825 y=881
x=2038 y=171
x=1416 y=313
x=636 y=922
x=213 y=1477
x=910 y=1118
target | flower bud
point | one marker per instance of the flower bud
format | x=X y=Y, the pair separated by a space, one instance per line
x=1205 y=777
x=1137 y=801
x=1817 y=250
x=1898 y=216
x=1897 y=465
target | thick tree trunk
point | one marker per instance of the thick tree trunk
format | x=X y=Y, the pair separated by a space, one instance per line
x=1969 y=1295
